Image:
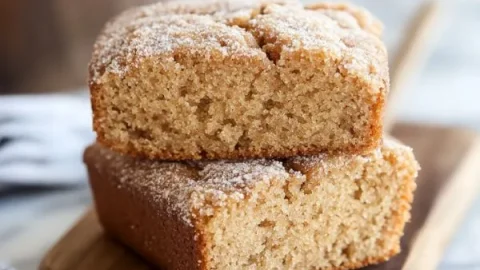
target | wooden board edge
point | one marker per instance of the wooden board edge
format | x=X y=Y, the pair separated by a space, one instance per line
x=447 y=213
x=50 y=260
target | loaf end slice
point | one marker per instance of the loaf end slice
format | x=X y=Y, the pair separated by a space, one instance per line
x=239 y=79
x=323 y=212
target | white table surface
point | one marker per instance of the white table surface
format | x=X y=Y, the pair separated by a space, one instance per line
x=445 y=92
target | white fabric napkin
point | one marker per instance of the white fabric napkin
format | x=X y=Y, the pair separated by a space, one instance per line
x=42 y=138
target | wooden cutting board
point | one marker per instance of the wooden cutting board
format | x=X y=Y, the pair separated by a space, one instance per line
x=447 y=185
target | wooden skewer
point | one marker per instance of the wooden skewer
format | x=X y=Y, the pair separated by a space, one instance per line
x=411 y=57
x=428 y=247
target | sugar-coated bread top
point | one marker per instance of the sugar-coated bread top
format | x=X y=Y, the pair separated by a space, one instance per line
x=263 y=33
x=200 y=186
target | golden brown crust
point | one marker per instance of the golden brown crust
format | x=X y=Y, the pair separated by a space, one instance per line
x=129 y=217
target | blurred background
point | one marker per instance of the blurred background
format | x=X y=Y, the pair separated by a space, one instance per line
x=45 y=113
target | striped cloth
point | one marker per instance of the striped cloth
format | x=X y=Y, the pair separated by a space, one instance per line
x=42 y=138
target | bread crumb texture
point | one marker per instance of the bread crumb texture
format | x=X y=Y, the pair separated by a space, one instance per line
x=321 y=212
x=239 y=79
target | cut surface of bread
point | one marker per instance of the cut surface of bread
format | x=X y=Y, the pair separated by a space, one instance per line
x=239 y=79
x=322 y=212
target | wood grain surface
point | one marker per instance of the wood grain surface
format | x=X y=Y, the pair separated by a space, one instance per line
x=447 y=185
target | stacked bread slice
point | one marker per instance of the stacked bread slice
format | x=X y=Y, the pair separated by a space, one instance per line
x=247 y=135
